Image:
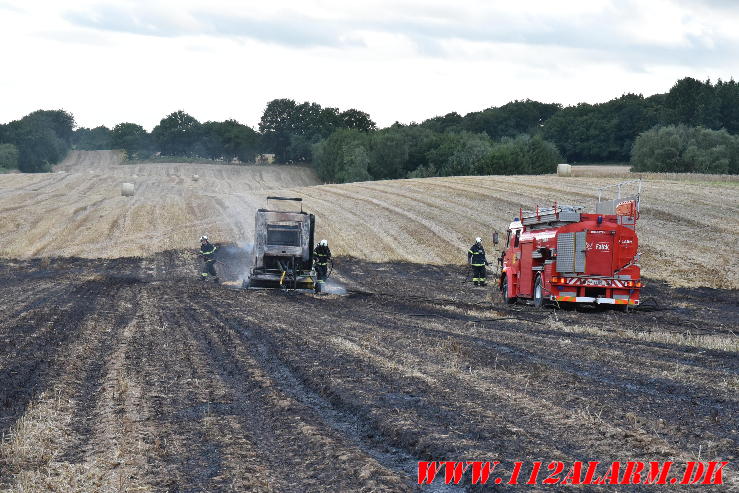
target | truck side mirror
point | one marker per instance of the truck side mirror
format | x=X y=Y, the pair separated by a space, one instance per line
x=495 y=238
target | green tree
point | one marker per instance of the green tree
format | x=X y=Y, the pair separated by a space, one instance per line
x=684 y=149
x=8 y=156
x=451 y=122
x=290 y=130
x=338 y=159
x=601 y=132
x=358 y=120
x=238 y=140
x=91 y=139
x=692 y=102
x=132 y=138
x=460 y=154
x=59 y=121
x=277 y=125
x=509 y=120
x=355 y=163
x=727 y=94
x=388 y=150
x=38 y=145
x=177 y=134
x=523 y=155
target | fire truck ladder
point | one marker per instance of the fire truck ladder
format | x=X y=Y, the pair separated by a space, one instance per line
x=555 y=214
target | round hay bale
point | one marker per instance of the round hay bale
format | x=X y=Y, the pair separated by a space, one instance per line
x=127 y=189
x=195 y=177
x=564 y=169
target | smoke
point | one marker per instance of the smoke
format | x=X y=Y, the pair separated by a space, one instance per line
x=333 y=287
x=235 y=262
x=248 y=249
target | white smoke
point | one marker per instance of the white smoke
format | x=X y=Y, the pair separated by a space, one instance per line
x=333 y=287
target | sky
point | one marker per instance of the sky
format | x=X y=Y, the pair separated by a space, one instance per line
x=398 y=60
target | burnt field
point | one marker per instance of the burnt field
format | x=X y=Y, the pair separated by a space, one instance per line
x=134 y=375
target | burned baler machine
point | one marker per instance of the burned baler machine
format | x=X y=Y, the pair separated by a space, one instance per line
x=283 y=248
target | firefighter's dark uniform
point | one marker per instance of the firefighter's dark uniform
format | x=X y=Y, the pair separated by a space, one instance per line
x=476 y=258
x=322 y=255
x=208 y=251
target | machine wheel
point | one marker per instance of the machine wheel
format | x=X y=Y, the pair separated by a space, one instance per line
x=504 y=292
x=538 y=293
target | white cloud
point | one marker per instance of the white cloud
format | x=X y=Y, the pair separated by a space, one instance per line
x=398 y=60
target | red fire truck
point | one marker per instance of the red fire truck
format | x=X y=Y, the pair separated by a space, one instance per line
x=561 y=254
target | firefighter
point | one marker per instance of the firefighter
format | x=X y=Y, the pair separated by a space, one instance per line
x=322 y=254
x=476 y=258
x=207 y=251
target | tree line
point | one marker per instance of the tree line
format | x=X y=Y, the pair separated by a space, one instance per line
x=666 y=132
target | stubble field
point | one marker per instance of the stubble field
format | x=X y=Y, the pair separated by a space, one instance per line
x=121 y=371
x=688 y=230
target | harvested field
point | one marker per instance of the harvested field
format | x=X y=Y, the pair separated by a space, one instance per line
x=121 y=371
x=688 y=229
x=128 y=375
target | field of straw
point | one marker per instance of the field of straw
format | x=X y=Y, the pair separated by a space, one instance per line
x=688 y=229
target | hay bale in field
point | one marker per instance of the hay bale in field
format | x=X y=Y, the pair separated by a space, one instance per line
x=195 y=177
x=127 y=189
x=564 y=169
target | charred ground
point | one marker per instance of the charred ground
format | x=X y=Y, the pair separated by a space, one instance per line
x=133 y=373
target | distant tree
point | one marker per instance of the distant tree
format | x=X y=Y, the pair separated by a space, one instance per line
x=211 y=144
x=418 y=142
x=358 y=120
x=355 y=163
x=684 y=149
x=451 y=122
x=523 y=155
x=277 y=125
x=388 y=149
x=38 y=145
x=727 y=94
x=91 y=139
x=238 y=141
x=338 y=158
x=132 y=138
x=177 y=134
x=511 y=119
x=601 y=132
x=8 y=156
x=692 y=102
x=290 y=129
x=460 y=154
x=59 y=121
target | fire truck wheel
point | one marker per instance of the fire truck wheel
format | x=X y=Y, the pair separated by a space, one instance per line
x=504 y=292
x=538 y=293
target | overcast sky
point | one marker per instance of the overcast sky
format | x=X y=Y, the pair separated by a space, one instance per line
x=108 y=62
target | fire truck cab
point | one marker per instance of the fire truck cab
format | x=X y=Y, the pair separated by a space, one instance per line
x=561 y=254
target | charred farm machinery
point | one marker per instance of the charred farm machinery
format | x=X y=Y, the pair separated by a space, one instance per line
x=561 y=254
x=283 y=248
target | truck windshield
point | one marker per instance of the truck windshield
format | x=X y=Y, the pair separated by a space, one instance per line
x=283 y=234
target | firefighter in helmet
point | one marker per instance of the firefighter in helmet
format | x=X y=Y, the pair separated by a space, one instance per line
x=208 y=251
x=476 y=258
x=322 y=255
